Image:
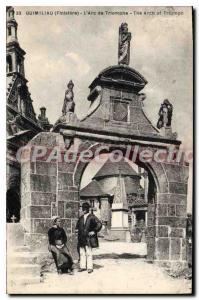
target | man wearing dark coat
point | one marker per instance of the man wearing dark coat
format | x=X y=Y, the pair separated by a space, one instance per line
x=87 y=227
x=57 y=246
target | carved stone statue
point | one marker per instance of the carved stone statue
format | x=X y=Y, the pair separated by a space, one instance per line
x=165 y=114
x=124 y=45
x=13 y=124
x=69 y=104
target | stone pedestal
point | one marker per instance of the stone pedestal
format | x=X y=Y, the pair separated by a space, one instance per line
x=47 y=190
x=119 y=222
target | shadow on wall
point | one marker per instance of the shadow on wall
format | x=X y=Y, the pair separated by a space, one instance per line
x=118 y=256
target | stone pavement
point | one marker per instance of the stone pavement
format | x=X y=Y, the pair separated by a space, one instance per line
x=118 y=268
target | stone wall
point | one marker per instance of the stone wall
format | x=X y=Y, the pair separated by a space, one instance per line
x=167 y=217
x=47 y=190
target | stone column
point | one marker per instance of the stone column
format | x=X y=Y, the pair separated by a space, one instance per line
x=119 y=220
x=133 y=219
x=105 y=213
x=146 y=215
x=170 y=219
x=38 y=201
x=47 y=189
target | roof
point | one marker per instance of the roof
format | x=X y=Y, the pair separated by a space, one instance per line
x=130 y=188
x=123 y=69
x=93 y=189
x=136 y=201
x=139 y=202
x=115 y=168
x=121 y=76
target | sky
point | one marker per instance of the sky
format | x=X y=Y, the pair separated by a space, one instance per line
x=64 y=47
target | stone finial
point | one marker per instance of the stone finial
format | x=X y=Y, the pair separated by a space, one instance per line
x=43 y=113
x=124 y=45
x=43 y=120
x=120 y=192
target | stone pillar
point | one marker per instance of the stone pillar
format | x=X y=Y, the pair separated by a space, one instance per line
x=119 y=220
x=38 y=191
x=47 y=190
x=68 y=201
x=133 y=219
x=146 y=216
x=170 y=219
x=105 y=213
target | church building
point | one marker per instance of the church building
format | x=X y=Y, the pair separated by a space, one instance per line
x=22 y=122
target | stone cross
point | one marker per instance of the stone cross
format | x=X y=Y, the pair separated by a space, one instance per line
x=13 y=218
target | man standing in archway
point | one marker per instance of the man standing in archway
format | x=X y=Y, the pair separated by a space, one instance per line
x=87 y=227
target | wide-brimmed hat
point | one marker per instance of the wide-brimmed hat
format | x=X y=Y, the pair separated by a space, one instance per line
x=85 y=206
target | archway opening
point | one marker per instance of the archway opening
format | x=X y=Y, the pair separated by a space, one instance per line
x=100 y=183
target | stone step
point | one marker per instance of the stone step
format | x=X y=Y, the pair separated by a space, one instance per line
x=15 y=234
x=24 y=280
x=28 y=269
x=23 y=258
x=21 y=249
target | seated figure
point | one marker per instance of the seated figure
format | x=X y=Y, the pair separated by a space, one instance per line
x=57 y=246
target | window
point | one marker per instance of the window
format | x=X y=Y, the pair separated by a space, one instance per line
x=9 y=31
x=9 y=63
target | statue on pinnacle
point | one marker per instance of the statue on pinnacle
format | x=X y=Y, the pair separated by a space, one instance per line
x=124 y=45
x=69 y=104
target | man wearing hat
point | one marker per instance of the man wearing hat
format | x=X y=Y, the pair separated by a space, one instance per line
x=57 y=246
x=87 y=227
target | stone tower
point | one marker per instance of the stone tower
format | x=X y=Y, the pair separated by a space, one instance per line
x=15 y=54
x=18 y=95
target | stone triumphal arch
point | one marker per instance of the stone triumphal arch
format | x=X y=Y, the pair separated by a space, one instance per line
x=115 y=121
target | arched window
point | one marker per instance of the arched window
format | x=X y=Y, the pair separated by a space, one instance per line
x=9 y=31
x=9 y=63
x=19 y=65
